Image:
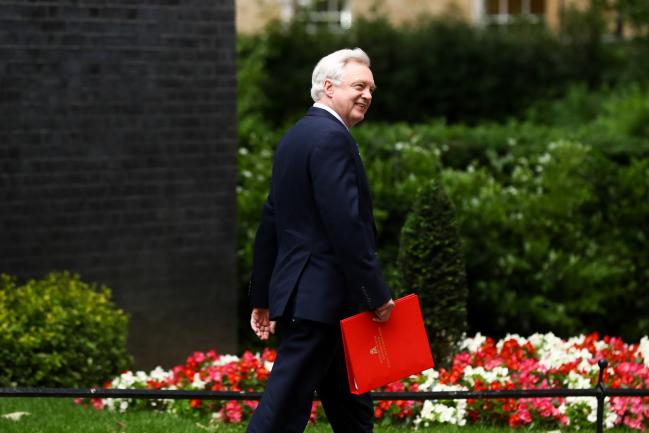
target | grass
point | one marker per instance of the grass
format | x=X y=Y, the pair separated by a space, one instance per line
x=60 y=415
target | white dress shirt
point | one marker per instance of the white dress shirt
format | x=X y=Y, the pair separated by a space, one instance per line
x=331 y=110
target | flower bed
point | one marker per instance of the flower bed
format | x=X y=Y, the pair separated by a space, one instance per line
x=541 y=361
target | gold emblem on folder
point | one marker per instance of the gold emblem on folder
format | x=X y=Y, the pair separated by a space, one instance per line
x=380 y=349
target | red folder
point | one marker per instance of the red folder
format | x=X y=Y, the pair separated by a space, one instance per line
x=381 y=353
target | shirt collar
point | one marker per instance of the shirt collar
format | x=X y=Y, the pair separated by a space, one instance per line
x=330 y=110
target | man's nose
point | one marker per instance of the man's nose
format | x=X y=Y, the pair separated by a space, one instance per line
x=367 y=94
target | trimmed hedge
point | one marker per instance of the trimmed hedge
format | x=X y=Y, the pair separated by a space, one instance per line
x=436 y=68
x=561 y=245
x=59 y=332
x=441 y=68
x=431 y=261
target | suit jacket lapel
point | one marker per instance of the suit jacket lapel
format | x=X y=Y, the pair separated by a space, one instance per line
x=315 y=111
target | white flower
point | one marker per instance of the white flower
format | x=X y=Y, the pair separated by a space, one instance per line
x=125 y=380
x=226 y=359
x=537 y=339
x=586 y=366
x=498 y=374
x=601 y=345
x=577 y=340
x=473 y=344
x=586 y=404
x=198 y=382
x=141 y=377
x=589 y=406
x=575 y=380
x=449 y=412
x=159 y=374
x=109 y=403
x=554 y=352
x=431 y=376
x=610 y=417
x=643 y=349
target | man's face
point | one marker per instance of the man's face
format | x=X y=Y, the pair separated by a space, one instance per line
x=353 y=96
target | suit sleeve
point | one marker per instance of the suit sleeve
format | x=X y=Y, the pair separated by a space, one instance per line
x=336 y=192
x=264 y=255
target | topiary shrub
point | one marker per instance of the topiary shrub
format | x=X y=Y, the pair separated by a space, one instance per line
x=431 y=262
x=59 y=332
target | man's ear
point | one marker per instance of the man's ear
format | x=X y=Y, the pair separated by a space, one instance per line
x=328 y=87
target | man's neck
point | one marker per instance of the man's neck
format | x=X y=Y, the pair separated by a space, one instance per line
x=330 y=110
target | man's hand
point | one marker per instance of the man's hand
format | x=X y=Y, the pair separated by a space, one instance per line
x=382 y=314
x=261 y=324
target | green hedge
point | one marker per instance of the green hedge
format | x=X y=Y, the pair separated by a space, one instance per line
x=441 y=68
x=433 y=69
x=431 y=262
x=59 y=332
x=559 y=246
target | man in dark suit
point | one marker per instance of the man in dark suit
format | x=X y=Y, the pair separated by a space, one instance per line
x=315 y=259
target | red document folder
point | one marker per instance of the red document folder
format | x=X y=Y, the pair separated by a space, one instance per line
x=381 y=353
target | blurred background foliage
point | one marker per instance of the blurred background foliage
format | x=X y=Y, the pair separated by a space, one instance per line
x=540 y=139
x=59 y=331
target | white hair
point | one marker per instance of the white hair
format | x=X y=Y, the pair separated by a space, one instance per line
x=331 y=67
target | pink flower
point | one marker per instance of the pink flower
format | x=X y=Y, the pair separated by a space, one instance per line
x=199 y=357
x=233 y=411
x=634 y=423
x=314 y=412
x=214 y=374
x=252 y=404
x=521 y=417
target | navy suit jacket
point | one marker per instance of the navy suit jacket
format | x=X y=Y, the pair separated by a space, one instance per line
x=316 y=233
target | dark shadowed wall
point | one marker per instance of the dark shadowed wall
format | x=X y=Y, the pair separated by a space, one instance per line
x=118 y=159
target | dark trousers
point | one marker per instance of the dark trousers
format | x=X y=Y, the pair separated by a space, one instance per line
x=310 y=358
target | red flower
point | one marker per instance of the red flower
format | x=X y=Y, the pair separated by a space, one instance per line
x=269 y=355
x=262 y=374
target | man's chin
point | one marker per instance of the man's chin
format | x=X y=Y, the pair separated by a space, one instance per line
x=357 y=119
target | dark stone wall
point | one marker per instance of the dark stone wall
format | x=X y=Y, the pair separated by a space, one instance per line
x=118 y=160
